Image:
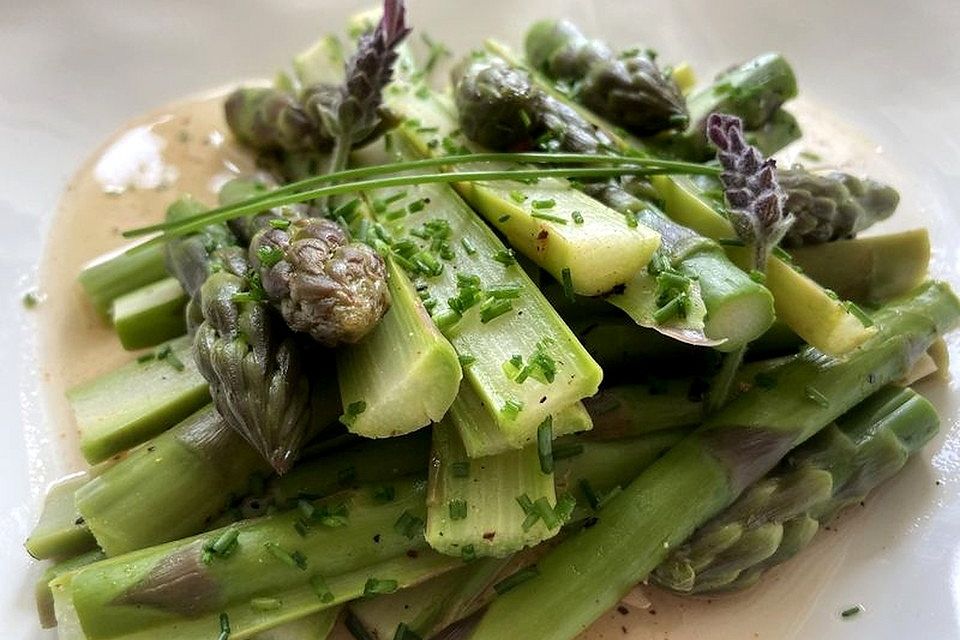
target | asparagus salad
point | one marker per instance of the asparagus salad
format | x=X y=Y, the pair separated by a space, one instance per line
x=475 y=354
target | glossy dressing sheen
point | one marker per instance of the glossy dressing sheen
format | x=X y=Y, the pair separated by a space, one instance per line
x=185 y=148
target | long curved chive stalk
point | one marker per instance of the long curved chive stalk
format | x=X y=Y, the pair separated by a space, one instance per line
x=301 y=194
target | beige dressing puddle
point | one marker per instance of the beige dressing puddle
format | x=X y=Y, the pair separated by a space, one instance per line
x=182 y=148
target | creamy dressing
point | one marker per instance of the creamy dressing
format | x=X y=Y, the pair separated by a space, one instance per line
x=182 y=148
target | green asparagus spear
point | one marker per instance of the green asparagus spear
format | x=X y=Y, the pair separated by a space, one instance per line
x=627 y=88
x=352 y=544
x=254 y=367
x=707 y=471
x=43 y=593
x=169 y=487
x=490 y=506
x=113 y=414
x=61 y=532
x=738 y=310
x=111 y=275
x=774 y=518
x=753 y=91
x=405 y=374
x=632 y=410
x=780 y=130
x=150 y=315
x=868 y=270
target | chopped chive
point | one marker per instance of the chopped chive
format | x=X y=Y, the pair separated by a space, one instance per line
x=458 y=509
x=466 y=360
x=385 y=493
x=269 y=255
x=505 y=257
x=548 y=203
x=758 y=276
x=504 y=291
x=417 y=205
x=516 y=579
x=565 y=506
x=531 y=520
x=851 y=611
x=518 y=197
x=376 y=587
x=265 y=604
x=147 y=357
x=577 y=217
x=676 y=308
x=503 y=218
x=319 y=586
x=460 y=469
x=567 y=280
x=446 y=319
x=730 y=242
x=525 y=503
x=859 y=313
x=468 y=246
x=587 y=490
x=468 y=553
x=567 y=450
x=224 y=545
x=296 y=560
x=543 y=509
x=408 y=525
x=783 y=255
x=493 y=308
x=511 y=409
x=347 y=210
x=831 y=294
x=354 y=409
x=166 y=354
x=631 y=219
x=548 y=217
x=545 y=445
x=224 y=626
x=404 y=632
x=815 y=396
x=279 y=223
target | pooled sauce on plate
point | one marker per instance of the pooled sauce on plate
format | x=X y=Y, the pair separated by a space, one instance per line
x=186 y=148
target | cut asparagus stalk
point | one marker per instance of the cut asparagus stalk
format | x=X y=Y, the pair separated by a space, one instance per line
x=150 y=315
x=180 y=589
x=482 y=437
x=175 y=484
x=435 y=605
x=626 y=411
x=168 y=487
x=811 y=312
x=487 y=307
x=405 y=374
x=112 y=412
x=44 y=596
x=870 y=270
x=61 y=532
x=738 y=310
x=599 y=250
x=706 y=472
x=483 y=506
x=108 y=277
x=838 y=467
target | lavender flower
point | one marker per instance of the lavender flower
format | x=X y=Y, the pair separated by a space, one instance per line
x=355 y=113
x=753 y=194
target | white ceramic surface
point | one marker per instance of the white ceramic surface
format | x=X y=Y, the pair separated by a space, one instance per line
x=71 y=71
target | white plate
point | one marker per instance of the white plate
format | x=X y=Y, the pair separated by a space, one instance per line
x=70 y=72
